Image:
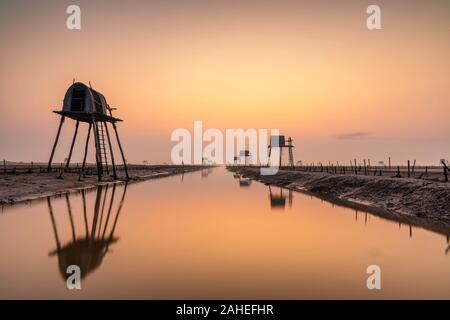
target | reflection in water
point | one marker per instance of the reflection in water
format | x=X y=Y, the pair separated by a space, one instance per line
x=278 y=198
x=206 y=171
x=87 y=251
x=244 y=182
x=172 y=244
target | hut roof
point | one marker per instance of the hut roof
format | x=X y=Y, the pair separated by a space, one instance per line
x=81 y=102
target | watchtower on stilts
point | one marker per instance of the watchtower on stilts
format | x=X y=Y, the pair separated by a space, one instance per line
x=290 y=146
x=246 y=154
x=280 y=142
x=84 y=104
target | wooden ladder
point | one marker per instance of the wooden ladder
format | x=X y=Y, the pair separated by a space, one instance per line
x=103 y=153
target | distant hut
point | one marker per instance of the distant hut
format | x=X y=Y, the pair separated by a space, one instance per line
x=245 y=154
x=84 y=104
x=281 y=142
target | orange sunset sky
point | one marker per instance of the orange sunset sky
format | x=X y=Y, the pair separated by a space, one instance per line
x=310 y=68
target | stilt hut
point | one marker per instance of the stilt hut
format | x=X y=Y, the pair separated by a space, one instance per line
x=84 y=104
x=246 y=154
x=280 y=142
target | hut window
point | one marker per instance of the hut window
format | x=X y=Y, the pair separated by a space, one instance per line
x=78 y=99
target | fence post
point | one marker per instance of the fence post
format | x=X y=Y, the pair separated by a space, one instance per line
x=446 y=169
x=409 y=169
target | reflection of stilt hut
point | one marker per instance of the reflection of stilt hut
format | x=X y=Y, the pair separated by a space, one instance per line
x=244 y=182
x=88 y=251
x=281 y=143
x=84 y=104
x=278 y=200
x=206 y=170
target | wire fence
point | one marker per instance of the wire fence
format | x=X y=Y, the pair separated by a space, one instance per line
x=89 y=168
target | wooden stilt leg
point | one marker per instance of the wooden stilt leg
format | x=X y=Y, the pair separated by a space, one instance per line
x=73 y=143
x=86 y=147
x=281 y=151
x=97 y=150
x=121 y=150
x=105 y=227
x=85 y=214
x=111 y=152
x=72 y=224
x=55 y=230
x=56 y=142
x=290 y=198
x=96 y=212
x=118 y=213
x=102 y=211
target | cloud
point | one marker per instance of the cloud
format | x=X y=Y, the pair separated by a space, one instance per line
x=352 y=135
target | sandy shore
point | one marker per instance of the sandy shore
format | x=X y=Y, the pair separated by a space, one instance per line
x=22 y=187
x=391 y=197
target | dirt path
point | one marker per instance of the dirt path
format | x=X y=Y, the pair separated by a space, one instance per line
x=29 y=186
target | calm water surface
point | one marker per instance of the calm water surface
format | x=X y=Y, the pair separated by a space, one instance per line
x=203 y=235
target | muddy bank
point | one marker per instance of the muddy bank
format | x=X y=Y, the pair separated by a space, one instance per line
x=396 y=197
x=22 y=187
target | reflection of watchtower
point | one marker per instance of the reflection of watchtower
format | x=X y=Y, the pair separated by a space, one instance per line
x=278 y=200
x=206 y=170
x=244 y=182
x=88 y=251
x=84 y=104
x=280 y=142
